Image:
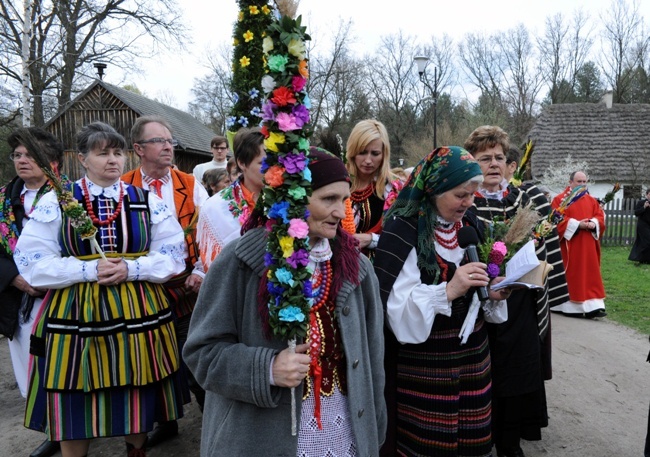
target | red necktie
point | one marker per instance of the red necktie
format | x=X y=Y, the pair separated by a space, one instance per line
x=157 y=186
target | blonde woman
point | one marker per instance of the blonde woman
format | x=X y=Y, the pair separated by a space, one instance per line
x=374 y=186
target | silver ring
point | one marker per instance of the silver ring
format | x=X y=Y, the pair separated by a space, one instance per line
x=471 y=276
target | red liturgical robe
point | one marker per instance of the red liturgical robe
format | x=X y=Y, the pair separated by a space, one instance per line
x=581 y=248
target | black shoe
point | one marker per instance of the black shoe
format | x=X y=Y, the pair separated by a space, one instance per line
x=162 y=432
x=510 y=452
x=597 y=313
x=46 y=449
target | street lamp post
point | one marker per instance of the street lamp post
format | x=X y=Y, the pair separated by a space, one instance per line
x=421 y=62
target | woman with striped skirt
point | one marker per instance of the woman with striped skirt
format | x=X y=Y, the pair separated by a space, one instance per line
x=438 y=384
x=104 y=349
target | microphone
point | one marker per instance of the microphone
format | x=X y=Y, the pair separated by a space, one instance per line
x=468 y=239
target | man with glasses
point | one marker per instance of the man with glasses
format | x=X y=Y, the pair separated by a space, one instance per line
x=219 y=147
x=20 y=303
x=153 y=141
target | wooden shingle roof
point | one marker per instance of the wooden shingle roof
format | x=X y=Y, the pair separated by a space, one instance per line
x=613 y=141
x=192 y=135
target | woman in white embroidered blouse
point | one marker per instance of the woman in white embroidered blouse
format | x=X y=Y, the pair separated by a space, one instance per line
x=105 y=341
x=223 y=214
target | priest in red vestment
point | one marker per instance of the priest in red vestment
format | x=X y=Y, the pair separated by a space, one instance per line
x=580 y=232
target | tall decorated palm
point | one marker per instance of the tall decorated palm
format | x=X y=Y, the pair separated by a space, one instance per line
x=287 y=178
x=248 y=64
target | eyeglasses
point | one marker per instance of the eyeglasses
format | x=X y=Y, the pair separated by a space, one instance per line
x=162 y=141
x=487 y=160
x=18 y=155
x=220 y=148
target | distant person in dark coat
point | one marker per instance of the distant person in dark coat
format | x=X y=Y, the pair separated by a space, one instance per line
x=641 y=250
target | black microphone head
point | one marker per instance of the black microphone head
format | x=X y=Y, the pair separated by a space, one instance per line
x=467 y=236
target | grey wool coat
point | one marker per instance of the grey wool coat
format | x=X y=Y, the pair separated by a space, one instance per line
x=230 y=357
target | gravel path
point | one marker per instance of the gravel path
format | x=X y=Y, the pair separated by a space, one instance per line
x=598 y=399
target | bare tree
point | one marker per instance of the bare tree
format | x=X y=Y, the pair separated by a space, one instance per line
x=626 y=44
x=67 y=36
x=212 y=95
x=522 y=79
x=336 y=82
x=392 y=85
x=563 y=50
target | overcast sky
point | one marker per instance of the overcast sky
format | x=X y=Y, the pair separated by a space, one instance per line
x=211 y=23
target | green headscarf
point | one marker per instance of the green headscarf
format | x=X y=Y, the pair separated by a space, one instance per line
x=443 y=169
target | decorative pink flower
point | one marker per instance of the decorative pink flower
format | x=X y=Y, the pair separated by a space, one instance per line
x=298 y=228
x=298 y=83
x=500 y=246
x=4 y=230
x=286 y=122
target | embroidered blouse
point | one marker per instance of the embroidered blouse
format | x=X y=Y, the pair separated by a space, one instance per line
x=38 y=252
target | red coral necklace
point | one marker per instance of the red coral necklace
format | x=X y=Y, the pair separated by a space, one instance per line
x=89 y=206
x=449 y=243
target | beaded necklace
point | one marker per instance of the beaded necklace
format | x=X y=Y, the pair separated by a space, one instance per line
x=362 y=209
x=320 y=296
x=89 y=206
x=449 y=243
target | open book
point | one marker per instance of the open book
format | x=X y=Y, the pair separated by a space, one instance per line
x=525 y=269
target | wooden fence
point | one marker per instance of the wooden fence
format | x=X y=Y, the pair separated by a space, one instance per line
x=620 y=223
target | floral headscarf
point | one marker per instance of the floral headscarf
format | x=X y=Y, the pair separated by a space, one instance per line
x=443 y=169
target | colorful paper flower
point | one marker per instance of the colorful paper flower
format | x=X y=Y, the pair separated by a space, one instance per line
x=244 y=61
x=283 y=96
x=273 y=176
x=291 y=314
x=248 y=36
x=277 y=63
x=297 y=48
x=268 y=84
x=267 y=45
x=298 y=83
x=298 y=228
x=286 y=244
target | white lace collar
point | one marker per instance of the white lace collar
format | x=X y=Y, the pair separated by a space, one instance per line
x=321 y=252
x=95 y=190
x=496 y=195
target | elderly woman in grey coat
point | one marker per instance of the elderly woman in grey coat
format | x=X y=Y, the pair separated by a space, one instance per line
x=248 y=374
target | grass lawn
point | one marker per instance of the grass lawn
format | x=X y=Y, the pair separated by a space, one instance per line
x=628 y=289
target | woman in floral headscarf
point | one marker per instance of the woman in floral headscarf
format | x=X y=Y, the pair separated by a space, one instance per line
x=223 y=214
x=437 y=384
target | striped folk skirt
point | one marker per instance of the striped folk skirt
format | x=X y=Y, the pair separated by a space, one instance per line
x=104 y=362
x=444 y=396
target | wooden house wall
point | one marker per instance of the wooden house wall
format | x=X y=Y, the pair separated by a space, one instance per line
x=100 y=105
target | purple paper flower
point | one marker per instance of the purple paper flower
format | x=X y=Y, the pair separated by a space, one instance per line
x=493 y=270
x=301 y=114
x=268 y=259
x=300 y=257
x=268 y=111
x=294 y=163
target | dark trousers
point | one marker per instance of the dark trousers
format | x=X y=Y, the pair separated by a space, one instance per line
x=646 y=449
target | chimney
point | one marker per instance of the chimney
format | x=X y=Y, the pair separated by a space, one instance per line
x=608 y=98
x=100 y=69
